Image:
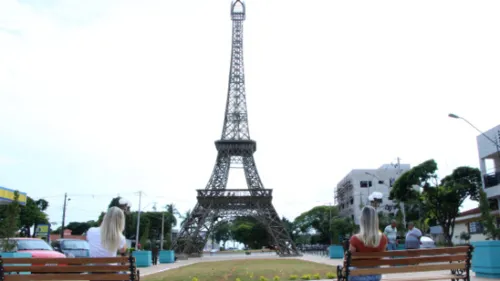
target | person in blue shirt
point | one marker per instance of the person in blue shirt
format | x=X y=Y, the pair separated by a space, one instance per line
x=413 y=237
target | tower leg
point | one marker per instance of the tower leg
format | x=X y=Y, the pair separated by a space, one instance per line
x=275 y=227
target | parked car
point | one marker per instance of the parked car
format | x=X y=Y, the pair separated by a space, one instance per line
x=427 y=243
x=38 y=248
x=72 y=247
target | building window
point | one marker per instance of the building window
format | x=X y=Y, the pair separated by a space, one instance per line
x=380 y=182
x=475 y=228
x=365 y=183
x=391 y=181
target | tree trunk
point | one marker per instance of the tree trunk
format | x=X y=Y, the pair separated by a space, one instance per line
x=447 y=236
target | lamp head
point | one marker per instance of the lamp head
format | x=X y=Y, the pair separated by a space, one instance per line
x=451 y=115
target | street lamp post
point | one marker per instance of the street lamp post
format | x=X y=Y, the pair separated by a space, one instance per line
x=451 y=115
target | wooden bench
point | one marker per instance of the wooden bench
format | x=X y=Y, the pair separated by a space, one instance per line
x=455 y=259
x=24 y=269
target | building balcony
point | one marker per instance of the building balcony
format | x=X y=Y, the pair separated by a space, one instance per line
x=491 y=179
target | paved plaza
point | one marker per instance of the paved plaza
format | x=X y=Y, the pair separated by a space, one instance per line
x=312 y=258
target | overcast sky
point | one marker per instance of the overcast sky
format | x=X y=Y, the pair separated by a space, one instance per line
x=99 y=98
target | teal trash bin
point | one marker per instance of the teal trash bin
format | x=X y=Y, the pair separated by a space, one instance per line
x=167 y=256
x=143 y=258
x=336 y=251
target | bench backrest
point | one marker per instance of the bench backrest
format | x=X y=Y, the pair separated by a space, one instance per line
x=21 y=269
x=450 y=258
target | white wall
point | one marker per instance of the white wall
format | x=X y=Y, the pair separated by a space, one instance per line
x=486 y=147
x=462 y=227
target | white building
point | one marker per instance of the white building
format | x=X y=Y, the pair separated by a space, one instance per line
x=352 y=192
x=489 y=161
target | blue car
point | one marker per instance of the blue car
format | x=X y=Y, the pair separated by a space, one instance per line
x=75 y=248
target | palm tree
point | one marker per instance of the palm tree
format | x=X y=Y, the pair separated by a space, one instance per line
x=185 y=217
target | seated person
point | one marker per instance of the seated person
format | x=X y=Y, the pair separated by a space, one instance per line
x=369 y=239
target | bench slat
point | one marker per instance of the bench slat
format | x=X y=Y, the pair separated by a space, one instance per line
x=411 y=253
x=64 y=260
x=408 y=261
x=68 y=269
x=420 y=278
x=405 y=269
x=90 y=277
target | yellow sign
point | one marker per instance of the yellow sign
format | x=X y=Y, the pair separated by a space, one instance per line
x=42 y=229
x=7 y=196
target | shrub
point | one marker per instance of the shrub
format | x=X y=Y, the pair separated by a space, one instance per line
x=238 y=279
x=262 y=278
x=194 y=279
x=330 y=275
x=293 y=277
x=276 y=278
x=306 y=277
x=317 y=276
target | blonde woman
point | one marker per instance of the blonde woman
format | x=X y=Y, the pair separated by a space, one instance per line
x=107 y=239
x=369 y=239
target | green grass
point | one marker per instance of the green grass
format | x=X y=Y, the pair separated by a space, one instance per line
x=245 y=270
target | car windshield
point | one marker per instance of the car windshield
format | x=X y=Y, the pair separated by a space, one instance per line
x=74 y=245
x=32 y=244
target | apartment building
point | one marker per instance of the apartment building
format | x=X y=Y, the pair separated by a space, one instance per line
x=352 y=192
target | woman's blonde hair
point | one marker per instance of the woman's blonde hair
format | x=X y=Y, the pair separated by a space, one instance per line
x=369 y=233
x=112 y=227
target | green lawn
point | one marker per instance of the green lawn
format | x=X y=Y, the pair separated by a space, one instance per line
x=246 y=270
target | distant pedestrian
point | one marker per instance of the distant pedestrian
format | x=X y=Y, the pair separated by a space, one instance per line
x=391 y=232
x=413 y=237
x=107 y=239
x=155 y=253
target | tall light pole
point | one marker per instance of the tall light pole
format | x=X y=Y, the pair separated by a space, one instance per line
x=138 y=222
x=451 y=115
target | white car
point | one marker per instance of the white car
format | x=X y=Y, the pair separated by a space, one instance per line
x=427 y=243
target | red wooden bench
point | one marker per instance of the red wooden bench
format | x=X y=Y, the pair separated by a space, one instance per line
x=455 y=259
x=24 y=269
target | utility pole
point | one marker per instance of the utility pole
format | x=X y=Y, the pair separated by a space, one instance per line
x=402 y=204
x=138 y=222
x=330 y=224
x=162 y=229
x=64 y=214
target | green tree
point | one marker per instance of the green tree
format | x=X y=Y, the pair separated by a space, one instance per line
x=439 y=200
x=79 y=228
x=33 y=214
x=222 y=232
x=489 y=221
x=9 y=223
x=250 y=232
x=319 y=219
x=341 y=227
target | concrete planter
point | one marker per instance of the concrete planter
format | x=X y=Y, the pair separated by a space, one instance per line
x=486 y=259
x=143 y=258
x=336 y=251
x=167 y=256
x=16 y=255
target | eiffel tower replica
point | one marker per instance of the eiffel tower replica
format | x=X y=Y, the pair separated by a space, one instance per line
x=235 y=147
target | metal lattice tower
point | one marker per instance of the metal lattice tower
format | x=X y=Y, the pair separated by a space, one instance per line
x=235 y=147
